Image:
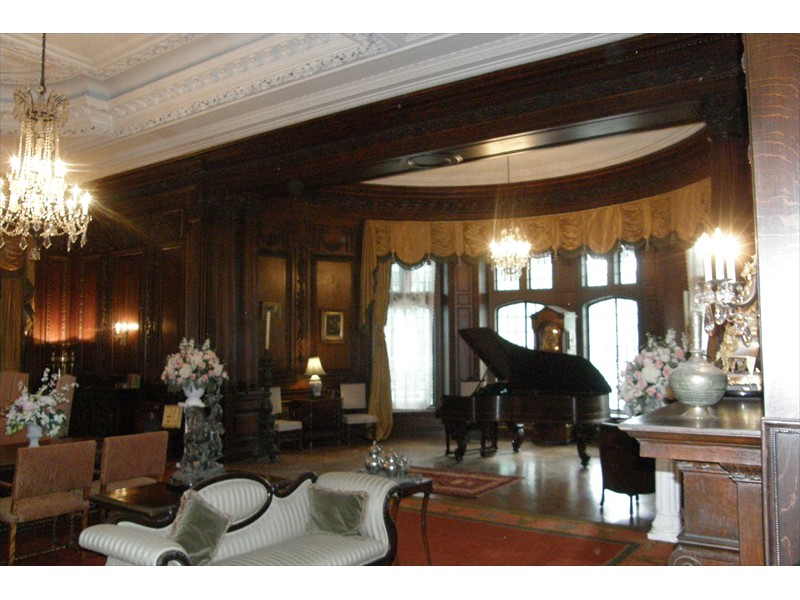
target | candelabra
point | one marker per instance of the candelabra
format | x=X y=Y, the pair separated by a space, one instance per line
x=724 y=301
x=720 y=298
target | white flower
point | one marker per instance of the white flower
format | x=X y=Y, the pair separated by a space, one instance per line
x=39 y=408
x=651 y=374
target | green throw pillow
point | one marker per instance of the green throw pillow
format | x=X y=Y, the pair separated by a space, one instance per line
x=198 y=528
x=334 y=511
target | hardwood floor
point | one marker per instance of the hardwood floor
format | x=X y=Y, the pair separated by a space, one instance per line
x=553 y=481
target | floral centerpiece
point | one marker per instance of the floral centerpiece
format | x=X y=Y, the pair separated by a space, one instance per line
x=193 y=367
x=644 y=382
x=39 y=409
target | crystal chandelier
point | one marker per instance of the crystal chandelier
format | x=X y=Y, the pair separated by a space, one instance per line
x=511 y=253
x=37 y=203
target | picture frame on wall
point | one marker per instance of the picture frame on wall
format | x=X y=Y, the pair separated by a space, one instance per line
x=332 y=326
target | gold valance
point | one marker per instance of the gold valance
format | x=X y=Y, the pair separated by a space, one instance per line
x=683 y=213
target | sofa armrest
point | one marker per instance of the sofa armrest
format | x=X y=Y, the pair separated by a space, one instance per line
x=378 y=524
x=133 y=545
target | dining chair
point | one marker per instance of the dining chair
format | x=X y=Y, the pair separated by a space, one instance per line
x=49 y=481
x=284 y=428
x=132 y=460
x=354 y=407
x=9 y=392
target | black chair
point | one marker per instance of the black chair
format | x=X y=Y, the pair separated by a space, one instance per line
x=624 y=470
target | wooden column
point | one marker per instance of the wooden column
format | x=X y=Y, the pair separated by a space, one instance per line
x=773 y=94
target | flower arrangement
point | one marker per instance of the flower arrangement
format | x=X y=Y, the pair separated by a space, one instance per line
x=643 y=383
x=191 y=365
x=39 y=408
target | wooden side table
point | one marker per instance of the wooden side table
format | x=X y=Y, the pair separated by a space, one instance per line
x=408 y=486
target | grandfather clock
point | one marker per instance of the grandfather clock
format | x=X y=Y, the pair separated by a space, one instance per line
x=554 y=331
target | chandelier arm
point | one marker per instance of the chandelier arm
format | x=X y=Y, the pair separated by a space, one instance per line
x=41 y=82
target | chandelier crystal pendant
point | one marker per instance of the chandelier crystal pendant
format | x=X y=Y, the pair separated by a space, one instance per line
x=511 y=253
x=35 y=201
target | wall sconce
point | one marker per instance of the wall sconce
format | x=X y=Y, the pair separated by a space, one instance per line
x=121 y=329
x=314 y=370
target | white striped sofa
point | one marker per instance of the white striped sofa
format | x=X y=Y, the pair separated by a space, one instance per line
x=268 y=526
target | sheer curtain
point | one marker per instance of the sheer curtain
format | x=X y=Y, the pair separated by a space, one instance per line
x=409 y=336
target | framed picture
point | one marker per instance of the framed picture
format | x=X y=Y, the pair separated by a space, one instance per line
x=332 y=326
x=173 y=415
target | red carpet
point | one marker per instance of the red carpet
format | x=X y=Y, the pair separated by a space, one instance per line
x=463 y=484
x=471 y=536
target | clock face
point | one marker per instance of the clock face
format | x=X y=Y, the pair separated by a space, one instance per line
x=551 y=337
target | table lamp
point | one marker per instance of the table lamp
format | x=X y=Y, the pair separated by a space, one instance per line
x=314 y=370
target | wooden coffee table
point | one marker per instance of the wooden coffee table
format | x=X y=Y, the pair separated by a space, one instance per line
x=154 y=502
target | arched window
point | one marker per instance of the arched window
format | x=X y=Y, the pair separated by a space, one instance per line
x=513 y=322
x=612 y=327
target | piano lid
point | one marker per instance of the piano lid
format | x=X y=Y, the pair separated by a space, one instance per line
x=534 y=370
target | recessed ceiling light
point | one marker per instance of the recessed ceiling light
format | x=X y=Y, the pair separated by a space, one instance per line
x=432 y=160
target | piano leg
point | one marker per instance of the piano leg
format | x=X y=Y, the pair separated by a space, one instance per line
x=518 y=431
x=583 y=435
x=488 y=439
x=460 y=433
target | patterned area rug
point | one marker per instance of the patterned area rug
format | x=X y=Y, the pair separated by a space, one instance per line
x=462 y=535
x=463 y=484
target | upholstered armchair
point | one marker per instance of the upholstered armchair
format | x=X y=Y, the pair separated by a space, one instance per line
x=9 y=392
x=49 y=481
x=132 y=460
x=624 y=470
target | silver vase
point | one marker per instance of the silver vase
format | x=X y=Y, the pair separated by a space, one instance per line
x=697 y=382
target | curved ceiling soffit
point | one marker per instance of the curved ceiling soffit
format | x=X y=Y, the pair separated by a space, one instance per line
x=670 y=166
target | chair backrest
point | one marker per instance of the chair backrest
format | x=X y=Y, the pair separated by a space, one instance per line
x=64 y=381
x=354 y=396
x=53 y=468
x=135 y=455
x=9 y=392
x=275 y=400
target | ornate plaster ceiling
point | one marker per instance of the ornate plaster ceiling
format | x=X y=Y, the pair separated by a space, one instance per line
x=136 y=99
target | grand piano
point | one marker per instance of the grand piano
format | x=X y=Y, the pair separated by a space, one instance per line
x=531 y=387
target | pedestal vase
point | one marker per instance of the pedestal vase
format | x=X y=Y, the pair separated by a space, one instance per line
x=34 y=433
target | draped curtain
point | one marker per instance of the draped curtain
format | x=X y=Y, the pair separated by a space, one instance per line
x=682 y=213
x=12 y=300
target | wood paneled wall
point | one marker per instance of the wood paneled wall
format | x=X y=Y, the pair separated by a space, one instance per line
x=202 y=246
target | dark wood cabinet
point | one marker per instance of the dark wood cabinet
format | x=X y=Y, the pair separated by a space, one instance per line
x=101 y=412
x=718 y=453
x=321 y=418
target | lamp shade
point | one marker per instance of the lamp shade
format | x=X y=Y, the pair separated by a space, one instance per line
x=314 y=367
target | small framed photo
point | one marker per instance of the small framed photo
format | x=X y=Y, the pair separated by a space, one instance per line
x=332 y=326
x=173 y=415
